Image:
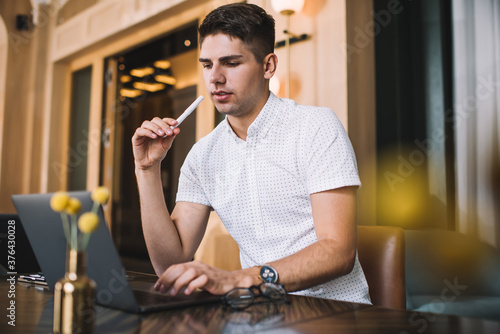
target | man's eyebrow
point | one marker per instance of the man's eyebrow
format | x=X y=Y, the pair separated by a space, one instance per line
x=225 y=58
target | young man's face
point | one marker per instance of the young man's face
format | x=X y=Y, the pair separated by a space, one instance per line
x=236 y=82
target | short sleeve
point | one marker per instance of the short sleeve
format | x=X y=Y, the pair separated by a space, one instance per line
x=330 y=161
x=190 y=188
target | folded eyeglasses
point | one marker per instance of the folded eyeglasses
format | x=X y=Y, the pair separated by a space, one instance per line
x=241 y=298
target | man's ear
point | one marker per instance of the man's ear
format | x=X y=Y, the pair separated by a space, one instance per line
x=270 y=64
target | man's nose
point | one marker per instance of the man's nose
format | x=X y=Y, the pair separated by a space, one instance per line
x=217 y=75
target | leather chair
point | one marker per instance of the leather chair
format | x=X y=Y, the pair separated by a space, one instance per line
x=381 y=253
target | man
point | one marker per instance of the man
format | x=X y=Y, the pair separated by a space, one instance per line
x=282 y=177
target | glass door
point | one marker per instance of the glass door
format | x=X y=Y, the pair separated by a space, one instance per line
x=158 y=79
x=79 y=129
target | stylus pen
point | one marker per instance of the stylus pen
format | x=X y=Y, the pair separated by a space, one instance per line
x=187 y=112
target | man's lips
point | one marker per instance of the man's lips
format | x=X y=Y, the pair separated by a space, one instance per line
x=221 y=95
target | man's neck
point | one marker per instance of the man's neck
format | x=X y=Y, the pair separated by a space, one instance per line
x=241 y=124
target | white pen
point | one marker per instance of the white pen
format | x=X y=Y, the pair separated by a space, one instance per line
x=187 y=112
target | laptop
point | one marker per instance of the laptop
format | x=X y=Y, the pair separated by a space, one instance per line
x=115 y=289
x=25 y=261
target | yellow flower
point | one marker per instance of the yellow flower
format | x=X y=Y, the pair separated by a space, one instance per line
x=88 y=222
x=100 y=195
x=74 y=206
x=59 y=201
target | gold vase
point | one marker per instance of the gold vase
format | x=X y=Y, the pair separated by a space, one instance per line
x=74 y=297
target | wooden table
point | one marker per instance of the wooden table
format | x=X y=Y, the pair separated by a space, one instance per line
x=33 y=313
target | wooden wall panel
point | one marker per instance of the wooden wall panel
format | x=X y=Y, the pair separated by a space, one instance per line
x=3 y=78
x=16 y=131
x=102 y=21
x=361 y=104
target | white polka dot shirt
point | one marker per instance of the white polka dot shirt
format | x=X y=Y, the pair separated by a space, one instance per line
x=261 y=187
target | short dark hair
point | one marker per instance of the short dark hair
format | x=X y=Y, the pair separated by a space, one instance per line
x=250 y=23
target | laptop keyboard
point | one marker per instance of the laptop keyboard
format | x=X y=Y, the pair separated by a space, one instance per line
x=145 y=297
x=148 y=298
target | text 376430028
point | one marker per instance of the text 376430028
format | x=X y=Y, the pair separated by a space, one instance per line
x=11 y=267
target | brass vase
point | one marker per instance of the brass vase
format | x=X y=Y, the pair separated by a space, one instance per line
x=74 y=297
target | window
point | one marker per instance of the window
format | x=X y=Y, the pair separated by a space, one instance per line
x=415 y=140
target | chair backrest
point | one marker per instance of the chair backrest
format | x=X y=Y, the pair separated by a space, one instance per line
x=381 y=253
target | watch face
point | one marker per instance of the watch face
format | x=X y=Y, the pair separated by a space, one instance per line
x=268 y=274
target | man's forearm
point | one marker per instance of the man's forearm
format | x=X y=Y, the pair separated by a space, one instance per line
x=313 y=265
x=160 y=232
x=320 y=262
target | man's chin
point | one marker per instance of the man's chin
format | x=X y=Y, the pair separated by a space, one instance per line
x=223 y=108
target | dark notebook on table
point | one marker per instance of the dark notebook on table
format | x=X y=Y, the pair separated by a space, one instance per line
x=45 y=233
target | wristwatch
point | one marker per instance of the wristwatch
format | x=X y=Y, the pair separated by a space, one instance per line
x=268 y=274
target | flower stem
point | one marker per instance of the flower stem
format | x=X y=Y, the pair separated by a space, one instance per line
x=95 y=207
x=85 y=241
x=74 y=233
x=65 y=224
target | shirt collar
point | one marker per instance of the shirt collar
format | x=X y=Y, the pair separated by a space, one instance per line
x=264 y=121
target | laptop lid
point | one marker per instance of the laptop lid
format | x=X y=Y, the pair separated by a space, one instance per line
x=13 y=238
x=44 y=229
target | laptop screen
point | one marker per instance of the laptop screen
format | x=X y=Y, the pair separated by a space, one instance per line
x=45 y=232
x=12 y=230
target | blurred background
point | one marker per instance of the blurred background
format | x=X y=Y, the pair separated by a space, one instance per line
x=415 y=83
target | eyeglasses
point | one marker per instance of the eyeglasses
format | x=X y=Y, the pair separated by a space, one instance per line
x=253 y=318
x=241 y=298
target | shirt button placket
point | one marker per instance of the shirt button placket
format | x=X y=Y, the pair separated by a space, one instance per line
x=254 y=190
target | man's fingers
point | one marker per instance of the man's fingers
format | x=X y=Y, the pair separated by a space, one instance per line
x=153 y=128
x=157 y=127
x=185 y=279
x=143 y=132
x=162 y=128
x=198 y=283
x=195 y=275
x=169 y=277
x=170 y=121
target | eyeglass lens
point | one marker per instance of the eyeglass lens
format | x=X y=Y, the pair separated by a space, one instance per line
x=272 y=291
x=241 y=298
